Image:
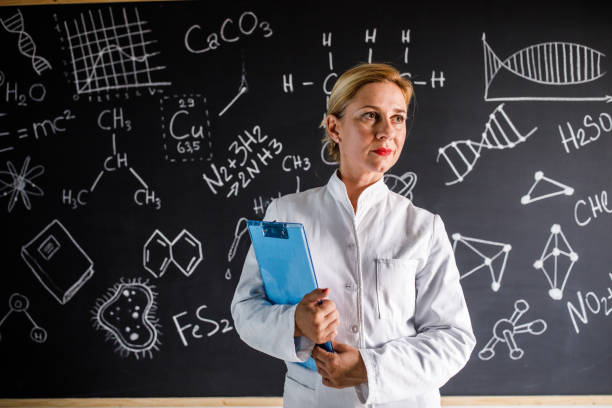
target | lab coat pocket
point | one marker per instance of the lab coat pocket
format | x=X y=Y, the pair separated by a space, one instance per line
x=395 y=287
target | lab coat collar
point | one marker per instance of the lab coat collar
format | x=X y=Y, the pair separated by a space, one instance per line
x=370 y=196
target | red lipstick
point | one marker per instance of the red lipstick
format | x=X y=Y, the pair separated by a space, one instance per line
x=383 y=152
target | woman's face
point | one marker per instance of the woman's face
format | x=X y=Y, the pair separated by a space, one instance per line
x=372 y=131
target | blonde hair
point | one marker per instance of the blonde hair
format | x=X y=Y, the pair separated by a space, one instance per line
x=347 y=86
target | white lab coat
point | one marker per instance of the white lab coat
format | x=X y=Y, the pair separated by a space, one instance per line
x=392 y=274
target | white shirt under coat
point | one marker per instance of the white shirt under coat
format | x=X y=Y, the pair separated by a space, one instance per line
x=392 y=274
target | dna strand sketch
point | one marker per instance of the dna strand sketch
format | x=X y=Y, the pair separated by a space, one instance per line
x=499 y=134
x=549 y=63
x=538 y=177
x=16 y=25
x=111 y=56
x=479 y=247
x=505 y=330
x=556 y=290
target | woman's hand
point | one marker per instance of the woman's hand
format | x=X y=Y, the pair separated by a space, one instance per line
x=343 y=368
x=316 y=317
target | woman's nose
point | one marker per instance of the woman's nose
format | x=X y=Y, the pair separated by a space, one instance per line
x=384 y=128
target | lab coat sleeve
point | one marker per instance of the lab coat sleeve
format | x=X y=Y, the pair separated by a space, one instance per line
x=444 y=341
x=262 y=325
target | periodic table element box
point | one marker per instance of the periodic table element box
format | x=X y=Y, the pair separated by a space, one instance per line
x=58 y=261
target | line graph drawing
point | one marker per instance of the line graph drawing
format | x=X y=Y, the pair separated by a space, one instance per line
x=15 y=24
x=505 y=330
x=126 y=314
x=18 y=303
x=539 y=176
x=403 y=184
x=499 y=134
x=551 y=64
x=110 y=52
x=558 y=248
x=20 y=184
x=481 y=247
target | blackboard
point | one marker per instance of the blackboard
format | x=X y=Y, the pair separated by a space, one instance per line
x=134 y=139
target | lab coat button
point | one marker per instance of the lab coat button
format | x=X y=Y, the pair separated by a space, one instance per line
x=355 y=328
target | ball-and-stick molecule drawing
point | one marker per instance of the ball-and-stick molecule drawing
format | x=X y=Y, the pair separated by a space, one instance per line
x=20 y=304
x=539 y=177
x=505 y=330
x=554 y=249
x=481 y=247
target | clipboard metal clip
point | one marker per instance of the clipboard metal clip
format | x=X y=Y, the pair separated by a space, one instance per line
x=275 y=230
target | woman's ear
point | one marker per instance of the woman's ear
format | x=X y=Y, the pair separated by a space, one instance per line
x=333 y=128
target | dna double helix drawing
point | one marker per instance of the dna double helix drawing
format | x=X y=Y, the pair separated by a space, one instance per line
x=25 y=43
x=500 y=133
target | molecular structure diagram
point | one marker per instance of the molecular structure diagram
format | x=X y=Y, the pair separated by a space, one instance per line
x=185 y=252
x=560 y=248
x=20 y=303
x=506 y=329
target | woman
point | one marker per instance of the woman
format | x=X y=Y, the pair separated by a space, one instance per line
x=392 y=303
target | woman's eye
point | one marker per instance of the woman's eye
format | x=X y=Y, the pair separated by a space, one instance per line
x=369 y=115
x=399 y=119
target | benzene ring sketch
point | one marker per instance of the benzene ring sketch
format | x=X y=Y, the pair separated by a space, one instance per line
x=487 y=261
x=505 y=330
x=556 y=291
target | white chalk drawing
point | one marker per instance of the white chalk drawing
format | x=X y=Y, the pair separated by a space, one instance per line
x=290 y=84
x=240 y=230
x=16 y=25
x=403 y=184
x=113 y=163
x=20 y=184
x=505 y=331
x=539 y=176
x=242 y=89
x=110 y=52
x=58 y=262
x=4 y=133
x=591 y=302
x=554 y=248
x=185 y=252
x=325 y=157
x=126 y=314
x=186 y=128
x=480 y=247
x=550 y=63
x=499 y=134
x=18 y=303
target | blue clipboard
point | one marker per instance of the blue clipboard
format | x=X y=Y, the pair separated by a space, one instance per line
x=285 y=265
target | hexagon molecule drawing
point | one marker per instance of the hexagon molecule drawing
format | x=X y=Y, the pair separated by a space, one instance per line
x=185 y=252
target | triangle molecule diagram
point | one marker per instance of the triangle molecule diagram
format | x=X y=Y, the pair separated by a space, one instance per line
x=488 y=254
x=539 y=177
